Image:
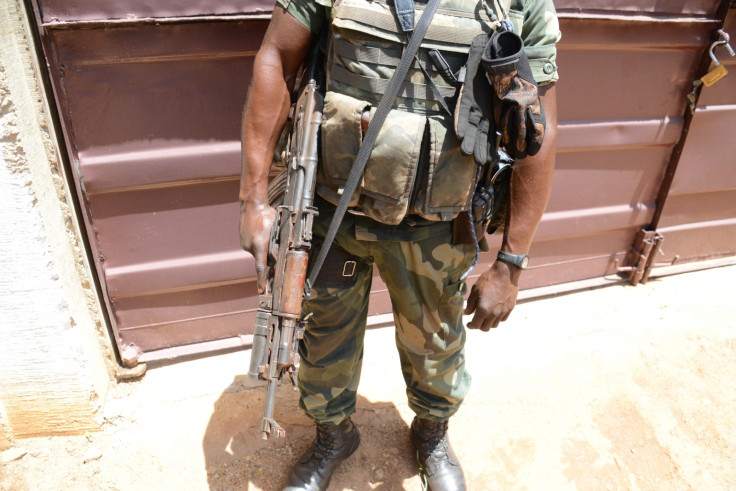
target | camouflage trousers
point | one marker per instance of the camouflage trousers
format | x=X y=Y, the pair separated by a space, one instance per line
x=425 y=286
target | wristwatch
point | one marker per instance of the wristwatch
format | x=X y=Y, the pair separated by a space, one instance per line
x=521 y=261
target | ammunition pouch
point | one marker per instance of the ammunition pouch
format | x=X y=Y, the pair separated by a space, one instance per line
x=397 y=180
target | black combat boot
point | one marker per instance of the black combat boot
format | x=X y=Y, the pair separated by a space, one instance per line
x=438 y=465
x=314 y=469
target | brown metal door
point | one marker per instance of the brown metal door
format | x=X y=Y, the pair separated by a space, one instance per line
x=699 y=217
x=150 y=97
x=626 y=68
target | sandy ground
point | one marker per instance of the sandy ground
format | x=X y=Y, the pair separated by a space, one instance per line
x=614 y=388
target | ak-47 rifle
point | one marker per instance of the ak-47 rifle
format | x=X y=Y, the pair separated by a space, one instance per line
x=279 y=325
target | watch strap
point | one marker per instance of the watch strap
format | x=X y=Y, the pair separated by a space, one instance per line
x=521 y=261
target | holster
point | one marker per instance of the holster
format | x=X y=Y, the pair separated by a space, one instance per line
x=489 y=206
x=464 y=231
x=340 y=269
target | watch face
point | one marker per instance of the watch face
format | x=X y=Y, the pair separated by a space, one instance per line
x=524 y=262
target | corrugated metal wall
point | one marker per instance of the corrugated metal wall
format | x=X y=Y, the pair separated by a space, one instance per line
x=151 y=111
x=699 y=217
x=150 y=97
x=621 y=98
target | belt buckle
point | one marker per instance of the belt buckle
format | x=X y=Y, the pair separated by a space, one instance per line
x=348 y=269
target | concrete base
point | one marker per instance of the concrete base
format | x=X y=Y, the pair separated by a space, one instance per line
x=55 y=361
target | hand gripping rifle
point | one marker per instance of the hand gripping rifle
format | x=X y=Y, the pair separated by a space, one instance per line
x=279 y=325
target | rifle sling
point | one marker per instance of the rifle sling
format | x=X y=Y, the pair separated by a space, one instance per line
x=369 y=141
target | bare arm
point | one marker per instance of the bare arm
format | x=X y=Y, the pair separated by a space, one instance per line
x=493 y=297
x=284 y=48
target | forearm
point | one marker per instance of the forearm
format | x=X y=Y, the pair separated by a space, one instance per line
x=267 y=103
x=261 y=126
x=531 y=181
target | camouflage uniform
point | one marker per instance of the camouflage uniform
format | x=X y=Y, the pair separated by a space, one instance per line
x=423 y=277
x=412 y=249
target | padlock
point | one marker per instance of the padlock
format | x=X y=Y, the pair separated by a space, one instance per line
x=714 y=75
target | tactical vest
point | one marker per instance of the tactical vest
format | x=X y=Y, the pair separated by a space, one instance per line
x=416 y=166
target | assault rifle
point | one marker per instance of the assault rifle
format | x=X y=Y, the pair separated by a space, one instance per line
x=279 y=325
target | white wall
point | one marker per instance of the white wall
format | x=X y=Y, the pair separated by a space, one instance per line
x=56 y=359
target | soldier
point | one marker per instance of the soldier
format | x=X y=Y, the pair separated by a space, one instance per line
x=416 y=191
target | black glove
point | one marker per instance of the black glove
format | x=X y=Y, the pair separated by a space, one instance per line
x=518 y=111
x=474 y=111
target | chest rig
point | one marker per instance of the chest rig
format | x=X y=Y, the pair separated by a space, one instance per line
x=416 y=166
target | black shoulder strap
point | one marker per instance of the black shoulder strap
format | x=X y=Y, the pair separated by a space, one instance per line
x=371 y=134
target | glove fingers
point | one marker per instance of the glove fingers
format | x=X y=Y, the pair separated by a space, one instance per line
x=520 y=122
x=506 y=130
x=461 y=123
x=514 y=131
x=535 y=133
x=480 y=152
x=474 y=121
x=467 y=146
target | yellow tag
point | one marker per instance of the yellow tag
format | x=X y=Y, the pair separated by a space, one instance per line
x=714 y=75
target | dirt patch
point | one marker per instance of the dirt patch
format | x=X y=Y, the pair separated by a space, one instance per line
x=615 y=388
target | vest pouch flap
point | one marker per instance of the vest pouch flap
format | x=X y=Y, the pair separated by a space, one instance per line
x=341 y=135
x=389 y=174
x=450 y=178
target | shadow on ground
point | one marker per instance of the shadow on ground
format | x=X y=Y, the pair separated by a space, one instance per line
x=237 y=457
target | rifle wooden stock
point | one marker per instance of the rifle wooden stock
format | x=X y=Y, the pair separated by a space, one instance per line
x=279 y=325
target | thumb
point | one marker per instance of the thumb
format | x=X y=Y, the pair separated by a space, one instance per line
x=472 y=301
x=261 y=273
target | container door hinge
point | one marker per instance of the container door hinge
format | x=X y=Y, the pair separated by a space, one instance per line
x=647 y=246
